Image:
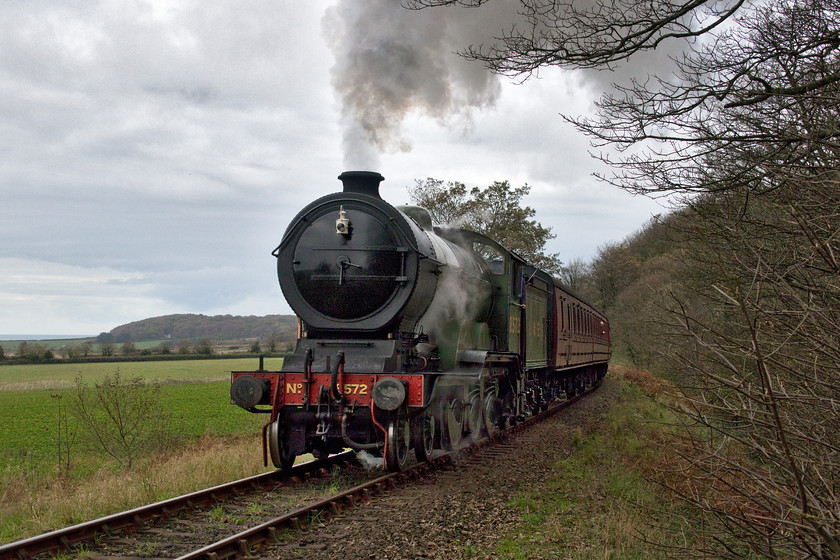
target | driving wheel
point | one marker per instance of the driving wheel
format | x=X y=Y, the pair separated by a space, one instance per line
x=492 y=414
x=423 y=435
x=454 y=418
x=396 y=448
x=278 y=447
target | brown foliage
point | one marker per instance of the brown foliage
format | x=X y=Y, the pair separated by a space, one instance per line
x=744 y=313
x=650 y=385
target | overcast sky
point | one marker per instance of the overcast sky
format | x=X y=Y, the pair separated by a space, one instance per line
x=153 y=153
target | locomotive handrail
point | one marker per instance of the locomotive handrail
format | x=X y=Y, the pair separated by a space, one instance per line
x=336 y=377
x=369 y=248
x=360 y=277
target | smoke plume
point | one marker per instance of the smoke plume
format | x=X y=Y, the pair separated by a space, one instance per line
x=390 y=61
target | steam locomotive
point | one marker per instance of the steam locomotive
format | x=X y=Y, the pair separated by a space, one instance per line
x=412 y=336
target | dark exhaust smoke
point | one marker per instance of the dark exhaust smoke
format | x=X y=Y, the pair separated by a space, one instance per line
x=391 y=62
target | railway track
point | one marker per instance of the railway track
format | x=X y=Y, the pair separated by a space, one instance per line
x=127 y=521
x=111 y=531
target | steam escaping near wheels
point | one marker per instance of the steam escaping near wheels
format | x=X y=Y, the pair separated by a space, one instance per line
x=369 y=461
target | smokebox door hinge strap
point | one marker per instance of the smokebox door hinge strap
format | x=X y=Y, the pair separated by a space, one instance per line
x=402 y=278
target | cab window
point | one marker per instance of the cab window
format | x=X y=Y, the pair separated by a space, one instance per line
x=492 y=256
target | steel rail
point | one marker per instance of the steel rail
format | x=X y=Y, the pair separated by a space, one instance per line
x=66 y=538
x=247 y=542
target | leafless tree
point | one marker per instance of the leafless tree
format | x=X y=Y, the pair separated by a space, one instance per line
x=740 y=96
x=574 y=274
x=762 y=402
x=746 y=125
x=597 y=34
x=121 y=417
x=64 y=438
x=756 y=103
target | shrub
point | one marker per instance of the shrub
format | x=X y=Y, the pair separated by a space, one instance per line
x=116 y=416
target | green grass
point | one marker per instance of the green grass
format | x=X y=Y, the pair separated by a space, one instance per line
x=20 y=378
x=29 y=418
x=597 y=503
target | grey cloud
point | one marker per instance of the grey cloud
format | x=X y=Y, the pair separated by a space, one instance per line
x=152 y=158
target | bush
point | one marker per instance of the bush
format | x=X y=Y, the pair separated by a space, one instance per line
x=116 y=416
x=205 y=346
x=34 y=352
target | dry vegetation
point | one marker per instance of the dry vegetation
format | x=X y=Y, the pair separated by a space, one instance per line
x=29 y=507
x=604 y=497
x=735 y=295
x=737 y=303
x=63 y=462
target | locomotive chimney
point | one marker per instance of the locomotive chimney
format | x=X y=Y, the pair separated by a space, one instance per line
x=364 y=182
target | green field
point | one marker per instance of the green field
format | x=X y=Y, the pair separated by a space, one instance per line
x=63 y=376
x=194 y=394
x=206 y=440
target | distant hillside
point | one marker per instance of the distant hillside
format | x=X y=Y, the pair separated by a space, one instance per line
x=217 y=327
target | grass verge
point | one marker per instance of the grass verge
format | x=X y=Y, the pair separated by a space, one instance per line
x=27 y=511
x=599 y=502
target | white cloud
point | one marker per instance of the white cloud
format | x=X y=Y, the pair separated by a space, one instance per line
x=41 y=297
x=154 y=153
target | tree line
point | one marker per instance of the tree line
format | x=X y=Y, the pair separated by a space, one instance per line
x=188 y=326
x=36 y=352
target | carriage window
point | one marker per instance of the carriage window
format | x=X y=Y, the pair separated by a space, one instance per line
x=562 y=316
x=493 y=257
